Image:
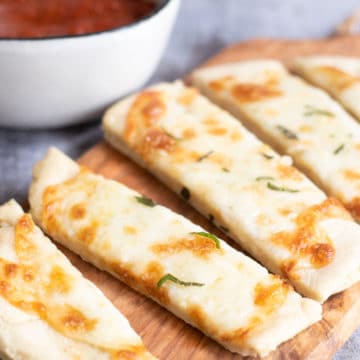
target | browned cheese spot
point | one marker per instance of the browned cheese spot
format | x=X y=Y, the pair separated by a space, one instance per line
x=236 y=136
x=188 y=96
x=188 y=133
x=308 y=240
x=288 y=268
x=269 y=297
x=10 y=270
x=211 y=121
x=88 y=233
x=271 y=112
x=221 y=84
x=53 y=198
x=181 y=155
x=23 y=246
x=145 y=112
x=306 y=128
x=78 y=212
x=130 y=230
x=263 y=219
x=59 y=281
x=75 y=321
x=251 y=92
x=159 y=140
x=288 y=172
x=200 y=246
x=28 y=274
x=130 y=353
x=351 y=174
x=337 y=79
x=215 y=128
x=217 y=131
x=284 y=211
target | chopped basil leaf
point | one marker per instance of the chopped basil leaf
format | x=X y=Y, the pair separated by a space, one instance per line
x=311 y=110
x=272 y=186
x=170 y=277
x=208 y=235
x=267 y=156
x=339 y=148
x=206 y=155
x=223 y=228
x=145 y=201
x=224 y=169
x=185 y=193
x=288 y=133
x=259 y=178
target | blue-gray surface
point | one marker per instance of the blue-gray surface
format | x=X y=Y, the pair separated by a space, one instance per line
x=203 y=28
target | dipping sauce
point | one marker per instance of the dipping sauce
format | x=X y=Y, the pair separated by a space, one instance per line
x=47 y=18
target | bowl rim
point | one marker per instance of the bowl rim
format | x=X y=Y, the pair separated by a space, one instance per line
x=152 y=14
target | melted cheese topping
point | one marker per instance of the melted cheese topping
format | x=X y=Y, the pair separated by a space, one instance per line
x=336 y=74
x=39 y=281
x=234 y=289
x=327 y=138
x=245 y=187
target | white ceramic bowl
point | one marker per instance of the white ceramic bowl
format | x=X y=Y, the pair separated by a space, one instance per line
x=67 y=80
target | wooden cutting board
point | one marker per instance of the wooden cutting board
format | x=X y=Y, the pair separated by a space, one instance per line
x=170 y=338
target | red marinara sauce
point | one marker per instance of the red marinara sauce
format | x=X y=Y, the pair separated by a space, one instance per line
x=47 y=18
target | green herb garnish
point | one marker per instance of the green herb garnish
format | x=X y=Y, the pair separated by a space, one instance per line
x=170 y=277
x=259 y=178
x=185 y=193
x=145 y=201
x=224 y=169
x=339 y=148
x=267 y=156
x=288 y=133
x=311 y=110
x=206 y=155
x=272 y=186
x=208 y=235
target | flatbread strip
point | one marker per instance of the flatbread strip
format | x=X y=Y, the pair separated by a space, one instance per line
x=339 y=75
x=275 y=213
x=295 y=118
x=47 y=309
x=192 y=273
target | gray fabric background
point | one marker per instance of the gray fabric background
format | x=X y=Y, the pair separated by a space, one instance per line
x=202 y=29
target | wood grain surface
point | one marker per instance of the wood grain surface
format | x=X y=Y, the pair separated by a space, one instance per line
x=170 y=338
